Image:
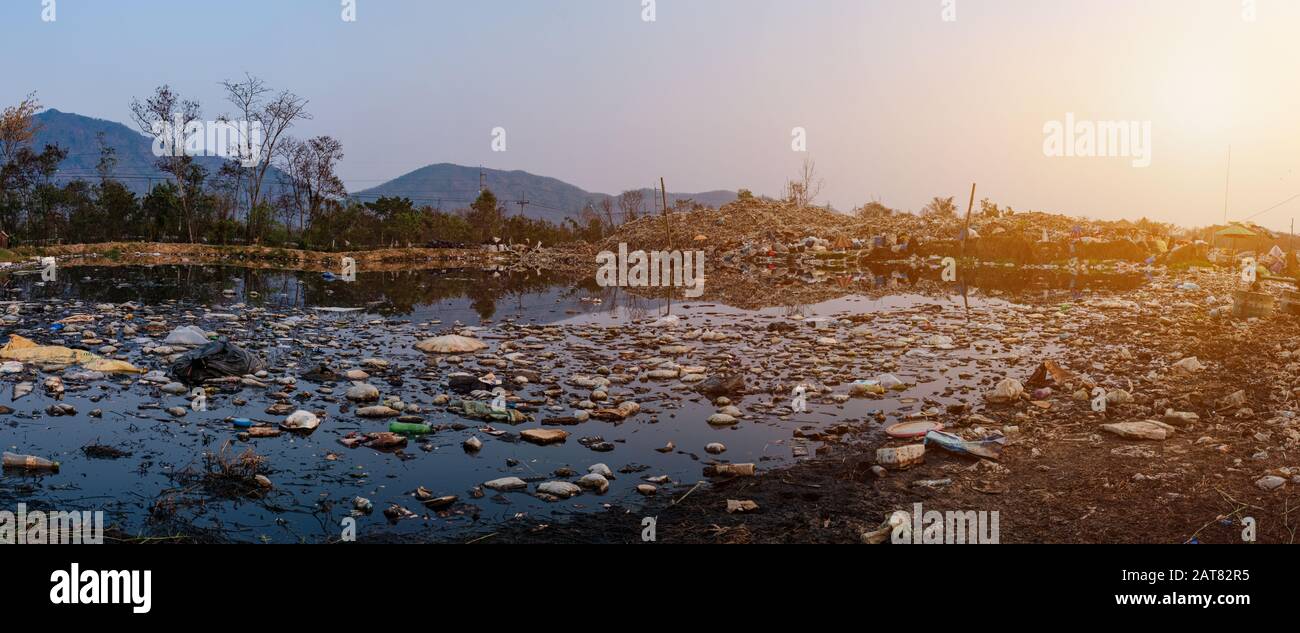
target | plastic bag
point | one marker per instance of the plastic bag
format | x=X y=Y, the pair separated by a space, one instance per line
x=214 y=360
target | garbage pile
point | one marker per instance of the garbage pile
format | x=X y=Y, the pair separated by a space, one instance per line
x=758 y=228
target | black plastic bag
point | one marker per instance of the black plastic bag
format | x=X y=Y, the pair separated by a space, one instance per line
x=214 y=360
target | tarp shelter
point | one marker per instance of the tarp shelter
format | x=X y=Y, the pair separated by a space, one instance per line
x=1234 y=233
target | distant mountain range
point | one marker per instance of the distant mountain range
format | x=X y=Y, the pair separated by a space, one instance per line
x=136 y=164
x=449 y=186
x=444 y=185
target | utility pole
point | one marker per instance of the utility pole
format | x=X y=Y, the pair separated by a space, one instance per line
x=482 y=180
x=522 y=202
x=663 y=190
x=965 y=234
x=1226 y=184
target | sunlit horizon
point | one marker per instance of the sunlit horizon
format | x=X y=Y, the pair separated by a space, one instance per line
x=899 y=105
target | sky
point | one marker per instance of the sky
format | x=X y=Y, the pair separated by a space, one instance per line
x=900 y=102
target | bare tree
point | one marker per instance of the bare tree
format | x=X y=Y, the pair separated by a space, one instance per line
x=275 y=117
x=607 y=211
x=806 y=188
x=309 y=166
x=629 y=204
x=159 y=115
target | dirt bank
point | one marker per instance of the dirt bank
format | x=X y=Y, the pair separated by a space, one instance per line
x=132 y=253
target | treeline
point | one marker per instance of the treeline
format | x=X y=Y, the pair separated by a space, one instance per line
x=281 y=192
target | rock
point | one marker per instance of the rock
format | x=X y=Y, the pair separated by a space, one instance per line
x=1118 y=397
x=175 y=388
x=362 y=392
x=1270 y=483
x=561 y=489
x=716 y=448
x=1145 y=430
x=1188 y=366
x=544 y=436
x=718 y=386
x=506 y=484
x=177 y=412
x=646 y=490
x=453 y=344
x=264 y=482
x=734 y=507
x=473 y=444
x=721 y=419
x=602 y=470
x=1234 y=401
x=1180 y=418
x=595 y=481
x=356 y=375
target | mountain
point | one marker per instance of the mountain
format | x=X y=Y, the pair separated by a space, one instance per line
x=449 y=186
x=444 y=185
x=136 y=163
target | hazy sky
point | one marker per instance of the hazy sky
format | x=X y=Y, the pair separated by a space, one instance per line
x=899 y=105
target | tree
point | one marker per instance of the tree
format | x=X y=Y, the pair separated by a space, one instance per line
x=485 y=216
x=874 y=209
x=159 y=115
x=940 y=207
x=629 y=204
x=309 y=169
x=17 y=128
x=988 y=209
x=607 y=212
x=806 y=188
x=274 y=117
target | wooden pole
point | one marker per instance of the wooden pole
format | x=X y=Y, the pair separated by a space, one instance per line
x=966 y=232
x=663 y=191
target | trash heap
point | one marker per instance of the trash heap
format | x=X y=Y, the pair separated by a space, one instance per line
x=754 y=227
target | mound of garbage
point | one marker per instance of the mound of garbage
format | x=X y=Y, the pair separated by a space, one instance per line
x=754 y=227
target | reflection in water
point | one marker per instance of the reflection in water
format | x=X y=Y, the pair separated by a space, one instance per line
x=481 y=296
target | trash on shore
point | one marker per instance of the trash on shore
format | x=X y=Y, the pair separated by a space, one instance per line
x=27 y=351
x=214 y=360
x=989 y=448
x=451 y=344
x=901 y=457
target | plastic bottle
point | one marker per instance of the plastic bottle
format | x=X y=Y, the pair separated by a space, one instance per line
x=732 y=470
x=29 y=462
x=409 y=429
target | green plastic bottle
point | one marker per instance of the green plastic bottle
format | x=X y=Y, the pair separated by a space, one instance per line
x=404 y=428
